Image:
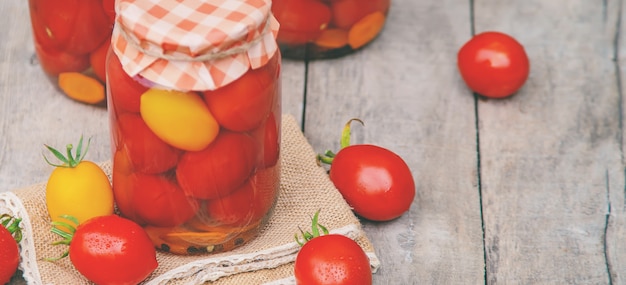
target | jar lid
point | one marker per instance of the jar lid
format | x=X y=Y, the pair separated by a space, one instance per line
x=193 y=44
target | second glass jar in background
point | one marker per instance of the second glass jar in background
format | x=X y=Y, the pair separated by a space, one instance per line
x=195 y=120
x=318 y=29
x=71 y=40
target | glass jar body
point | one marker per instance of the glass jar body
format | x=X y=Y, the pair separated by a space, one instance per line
x=318 y=29
x=71 y=39
x=199 y=170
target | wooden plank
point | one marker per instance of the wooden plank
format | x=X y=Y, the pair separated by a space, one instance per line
x=293 y=74
x=550 y=156
x=616 y=219
x=406 y=89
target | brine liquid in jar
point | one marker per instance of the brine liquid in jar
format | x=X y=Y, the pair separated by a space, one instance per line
x=71 y=39
x=319 y=29
x=195 y=116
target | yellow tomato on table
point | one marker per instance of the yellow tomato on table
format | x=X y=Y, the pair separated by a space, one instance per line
x=77 y=187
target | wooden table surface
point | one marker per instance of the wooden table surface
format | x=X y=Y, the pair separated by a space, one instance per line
x=524 y=190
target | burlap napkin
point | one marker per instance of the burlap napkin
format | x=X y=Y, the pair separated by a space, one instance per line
x=304 y=189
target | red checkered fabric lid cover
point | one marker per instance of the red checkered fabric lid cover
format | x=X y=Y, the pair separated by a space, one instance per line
x=193 y=44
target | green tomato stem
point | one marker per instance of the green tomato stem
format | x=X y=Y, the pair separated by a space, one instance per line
x=69 y=160
x=12 y=224
x=345 y=134
x=316 y=228
x=66 y=236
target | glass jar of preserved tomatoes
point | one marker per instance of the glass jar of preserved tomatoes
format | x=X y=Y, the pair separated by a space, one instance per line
x=194 y=104
x=317 y=29
x=71 y=40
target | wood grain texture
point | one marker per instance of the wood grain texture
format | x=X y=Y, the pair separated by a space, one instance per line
x=550 y=156
x=525 y=190
x=406 y=89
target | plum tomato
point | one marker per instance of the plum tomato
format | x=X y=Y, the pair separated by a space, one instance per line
x=219 y=169
x=123 y=186
x=110 y=250
x=243 y=104
x=376 y=182
x=330 y=259
x=267 y=138
x=493 y=64
x=159 y=201
x=125 y=92
x=109 y=9
x=147 y=152
x=181 y=119
x=55 y=62
x=77 y=187
x=98 y=58
x=248 y=204
x=346 y=13
x=53 y=21
x=75 y=26
x=300 y=21
x=10 y=236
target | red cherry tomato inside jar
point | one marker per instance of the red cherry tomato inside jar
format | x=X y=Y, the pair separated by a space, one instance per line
x=493 y=64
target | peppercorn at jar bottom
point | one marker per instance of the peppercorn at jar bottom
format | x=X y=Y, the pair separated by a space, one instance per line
x=317 y=29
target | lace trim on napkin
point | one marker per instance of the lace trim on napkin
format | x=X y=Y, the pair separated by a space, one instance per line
x=11 y=204
x=211 y=269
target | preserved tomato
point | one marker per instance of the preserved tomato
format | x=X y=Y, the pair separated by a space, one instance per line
x=316 y=29
x=195 y=142
x=71 y=38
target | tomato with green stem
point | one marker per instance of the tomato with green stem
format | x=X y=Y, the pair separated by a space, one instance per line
x=493 y=64
x=376 y=182
x=107 y=249
x=330 y=259
x=77 y=187
x=10 y=236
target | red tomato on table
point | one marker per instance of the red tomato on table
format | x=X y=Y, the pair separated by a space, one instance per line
x=493 y=64
x=112 y=250
x=332 y=259
x=10 y=236
x=375 y=182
